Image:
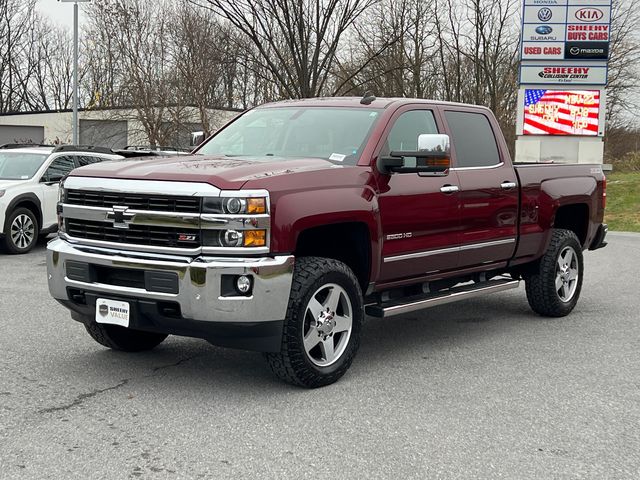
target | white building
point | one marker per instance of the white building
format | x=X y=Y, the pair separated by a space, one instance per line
x=113 y=128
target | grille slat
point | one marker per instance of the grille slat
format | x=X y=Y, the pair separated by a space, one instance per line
x=137 y=202
x=135 y=234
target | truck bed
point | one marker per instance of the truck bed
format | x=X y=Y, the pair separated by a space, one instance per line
x=546 y=187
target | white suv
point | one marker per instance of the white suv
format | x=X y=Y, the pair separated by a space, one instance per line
x=29 y=178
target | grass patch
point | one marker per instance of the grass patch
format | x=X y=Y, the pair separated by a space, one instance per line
x=623 y=201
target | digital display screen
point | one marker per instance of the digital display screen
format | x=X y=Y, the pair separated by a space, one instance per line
x=561 y=112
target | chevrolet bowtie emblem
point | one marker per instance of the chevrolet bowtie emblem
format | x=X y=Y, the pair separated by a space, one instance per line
x=120 y=217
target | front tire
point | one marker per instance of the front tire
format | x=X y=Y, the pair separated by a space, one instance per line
x=124 y=339
x=321 y=333
x=21 y=231
x=554 y=287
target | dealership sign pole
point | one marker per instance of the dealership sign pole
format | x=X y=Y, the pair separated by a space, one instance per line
x=75 y=68
x=563 y=73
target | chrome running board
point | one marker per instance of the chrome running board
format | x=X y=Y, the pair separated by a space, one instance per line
x=411 y=304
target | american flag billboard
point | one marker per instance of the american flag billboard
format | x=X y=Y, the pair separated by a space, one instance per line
x=561 y=112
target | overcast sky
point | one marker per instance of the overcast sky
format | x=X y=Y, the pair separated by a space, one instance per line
x=59 y=12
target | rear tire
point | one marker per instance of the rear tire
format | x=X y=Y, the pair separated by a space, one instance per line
x=21 y=231
x=321 y=333
x=124 y=339
x=554 y=287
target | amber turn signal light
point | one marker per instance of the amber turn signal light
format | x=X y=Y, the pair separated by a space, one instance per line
x=256 y=206
x=255 y=238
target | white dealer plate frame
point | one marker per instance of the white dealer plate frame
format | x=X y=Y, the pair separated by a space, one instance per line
x=113 y=312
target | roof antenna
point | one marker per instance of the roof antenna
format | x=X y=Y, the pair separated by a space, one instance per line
x=368 y=98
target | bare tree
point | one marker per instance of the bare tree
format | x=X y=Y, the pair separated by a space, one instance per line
x=16 y=21
x=623 y=92
x=51 y=82
x=205 y=53
x=140 y=46
x=389 y=51
x=297 y=40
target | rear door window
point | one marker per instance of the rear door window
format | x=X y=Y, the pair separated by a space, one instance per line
x=60 y=167
x=473 y=139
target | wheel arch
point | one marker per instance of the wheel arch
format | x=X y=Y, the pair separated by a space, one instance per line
x=29 y=201
x=574 y=217
x=347 y=242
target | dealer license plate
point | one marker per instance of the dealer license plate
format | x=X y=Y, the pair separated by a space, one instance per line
x=113 y=312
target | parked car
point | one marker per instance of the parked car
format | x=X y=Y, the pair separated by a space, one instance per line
x=29 y=178
x=297 y=217
x=152 y=150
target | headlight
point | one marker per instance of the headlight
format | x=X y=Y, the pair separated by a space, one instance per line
x=234 y=238
x=234 y=205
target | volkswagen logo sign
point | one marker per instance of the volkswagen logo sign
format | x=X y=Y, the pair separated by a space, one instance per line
x=545 y=14
x=544 y=30
x=103 y=309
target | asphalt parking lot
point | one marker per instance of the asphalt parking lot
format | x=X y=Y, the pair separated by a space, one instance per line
x=481 y=389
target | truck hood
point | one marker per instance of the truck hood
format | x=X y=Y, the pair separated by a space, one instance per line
x=222 y=172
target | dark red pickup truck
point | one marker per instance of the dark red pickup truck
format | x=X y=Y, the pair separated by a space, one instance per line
x=297 y=217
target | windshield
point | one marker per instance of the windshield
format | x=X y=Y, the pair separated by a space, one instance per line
x=20 y=166
x=336 y=134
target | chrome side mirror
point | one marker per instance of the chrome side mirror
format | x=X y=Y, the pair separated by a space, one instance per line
x=435 y=144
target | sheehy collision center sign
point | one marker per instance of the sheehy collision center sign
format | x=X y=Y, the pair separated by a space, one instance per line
x=563 y=74
x=561 y=112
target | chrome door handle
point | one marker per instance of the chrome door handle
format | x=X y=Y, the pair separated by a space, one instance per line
x=508 y=185
x=449 y=188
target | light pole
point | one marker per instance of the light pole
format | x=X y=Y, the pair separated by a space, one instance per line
x=75 y=67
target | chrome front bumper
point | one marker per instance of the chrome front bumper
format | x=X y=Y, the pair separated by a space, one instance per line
x=199 y=281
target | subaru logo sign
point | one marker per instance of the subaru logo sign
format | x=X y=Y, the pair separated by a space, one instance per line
x=545 y=14
x=544 y=30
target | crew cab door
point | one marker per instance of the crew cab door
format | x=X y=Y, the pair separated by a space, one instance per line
x=419 y=220
x=488 y=188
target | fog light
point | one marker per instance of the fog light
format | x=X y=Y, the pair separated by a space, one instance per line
x=231 y=238
x=243 y=284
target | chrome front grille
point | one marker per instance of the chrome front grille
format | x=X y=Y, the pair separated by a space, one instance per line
x=154 y=216
x=148 y=235
x=156 y=203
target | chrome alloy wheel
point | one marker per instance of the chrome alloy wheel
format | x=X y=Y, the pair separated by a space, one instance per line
x=328 y=321
x=22 y=231
x=567 y=272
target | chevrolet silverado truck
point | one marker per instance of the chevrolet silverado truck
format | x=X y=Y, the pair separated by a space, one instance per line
x=296 y=219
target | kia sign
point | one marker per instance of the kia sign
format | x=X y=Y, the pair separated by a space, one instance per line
x=579 y=14
x=542 y=50
x=563 y=74
x=586 y=50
